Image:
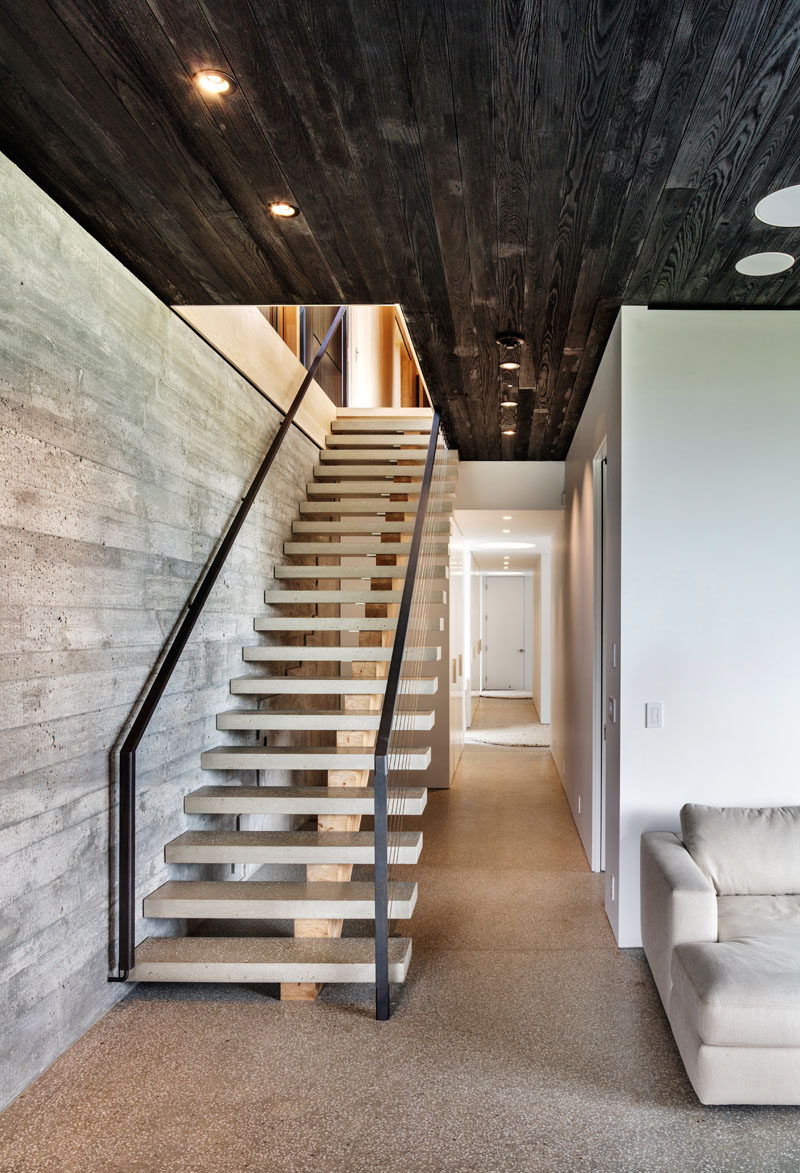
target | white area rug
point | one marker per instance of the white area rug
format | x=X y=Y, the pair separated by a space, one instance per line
x=528 y=734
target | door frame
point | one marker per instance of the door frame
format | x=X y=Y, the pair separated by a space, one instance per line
x=600 y=667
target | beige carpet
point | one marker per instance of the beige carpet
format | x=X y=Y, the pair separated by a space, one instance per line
x=528 y=734
x=508 y=721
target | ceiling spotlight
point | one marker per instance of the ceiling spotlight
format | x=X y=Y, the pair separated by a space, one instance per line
x=781 y=208
x=509 y=431
x=509 y=344
x=214 y=81
x=506 y=516
x=764 y=264
x=283 y=210
x=508 y=403
x=506 y=531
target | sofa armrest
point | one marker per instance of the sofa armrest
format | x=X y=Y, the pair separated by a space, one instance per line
x=679 y=904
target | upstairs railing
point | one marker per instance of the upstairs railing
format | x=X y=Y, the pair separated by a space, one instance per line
x=171 y=655
x=395 y=737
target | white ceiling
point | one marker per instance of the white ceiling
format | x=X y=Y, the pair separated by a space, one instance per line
x=534 y=529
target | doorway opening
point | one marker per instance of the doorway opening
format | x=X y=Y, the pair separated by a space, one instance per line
x=506 y=713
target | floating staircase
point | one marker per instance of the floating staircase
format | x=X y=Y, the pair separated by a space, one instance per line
x=348 y=549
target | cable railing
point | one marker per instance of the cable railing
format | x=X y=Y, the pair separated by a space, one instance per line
x=170 y=656
x=396 y=737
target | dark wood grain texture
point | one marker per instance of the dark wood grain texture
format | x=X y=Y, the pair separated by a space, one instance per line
x=490 y=165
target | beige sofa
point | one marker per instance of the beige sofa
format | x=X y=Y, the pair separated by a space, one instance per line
x=721 y=932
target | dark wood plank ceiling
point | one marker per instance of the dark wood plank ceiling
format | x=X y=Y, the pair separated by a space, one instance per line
x=490 y=164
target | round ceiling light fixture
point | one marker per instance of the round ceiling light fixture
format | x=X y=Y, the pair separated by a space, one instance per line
x=283 y=210
x=214 y=81
x=781 y=208
x=509 y=343
x=764 y=264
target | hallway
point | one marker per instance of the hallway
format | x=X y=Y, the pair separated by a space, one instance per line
x=523 y=1041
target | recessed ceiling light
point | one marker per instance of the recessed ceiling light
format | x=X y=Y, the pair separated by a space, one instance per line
x=509 y=431
x=283 y=210
x=508 y=403
x=506 y=531
x=214 y=81
x=509 y=343
x=764 y=264
x=506 y=517
x=781 y=208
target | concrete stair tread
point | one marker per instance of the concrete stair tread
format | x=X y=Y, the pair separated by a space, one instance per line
x=306 y=847
x=307 y=757
x=381 y=427
x=338 y=654
x=350 y=623
x=265 y=959
x=362 y=488
x=373 y=505
x=366 y=525
x=354 y=570
x=362 y=720
x=408 y=456
x=348 y=438
x=332 y=468
x=368 y=595
x=327 y=685
x=276 y=899
x=319 y=548
x=301 y=800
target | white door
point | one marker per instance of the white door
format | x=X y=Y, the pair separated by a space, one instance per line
x=504 y=632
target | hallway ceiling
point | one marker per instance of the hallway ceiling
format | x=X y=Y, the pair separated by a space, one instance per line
x=488 y=164
x=521 y=534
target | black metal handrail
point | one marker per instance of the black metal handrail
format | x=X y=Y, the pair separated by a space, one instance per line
x=174 y=649
x=382 y=1008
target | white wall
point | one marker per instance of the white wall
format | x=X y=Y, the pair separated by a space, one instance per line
x=537 y=633
x=458 y=673
x=702 y=415
x=545 y=623
x=573 y=735
x=710 y=568
x=473 y=582
x=510 y=484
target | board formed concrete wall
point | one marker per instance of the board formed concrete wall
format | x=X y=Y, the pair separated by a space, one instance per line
x=125 y=446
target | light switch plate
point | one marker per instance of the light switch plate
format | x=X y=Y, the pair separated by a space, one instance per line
x=654 y=715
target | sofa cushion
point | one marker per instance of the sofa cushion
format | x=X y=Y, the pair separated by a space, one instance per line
x=757 y=916
x=743 y=993
x=745 y=850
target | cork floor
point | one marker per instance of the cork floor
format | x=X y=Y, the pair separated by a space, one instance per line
x=524 y=1040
